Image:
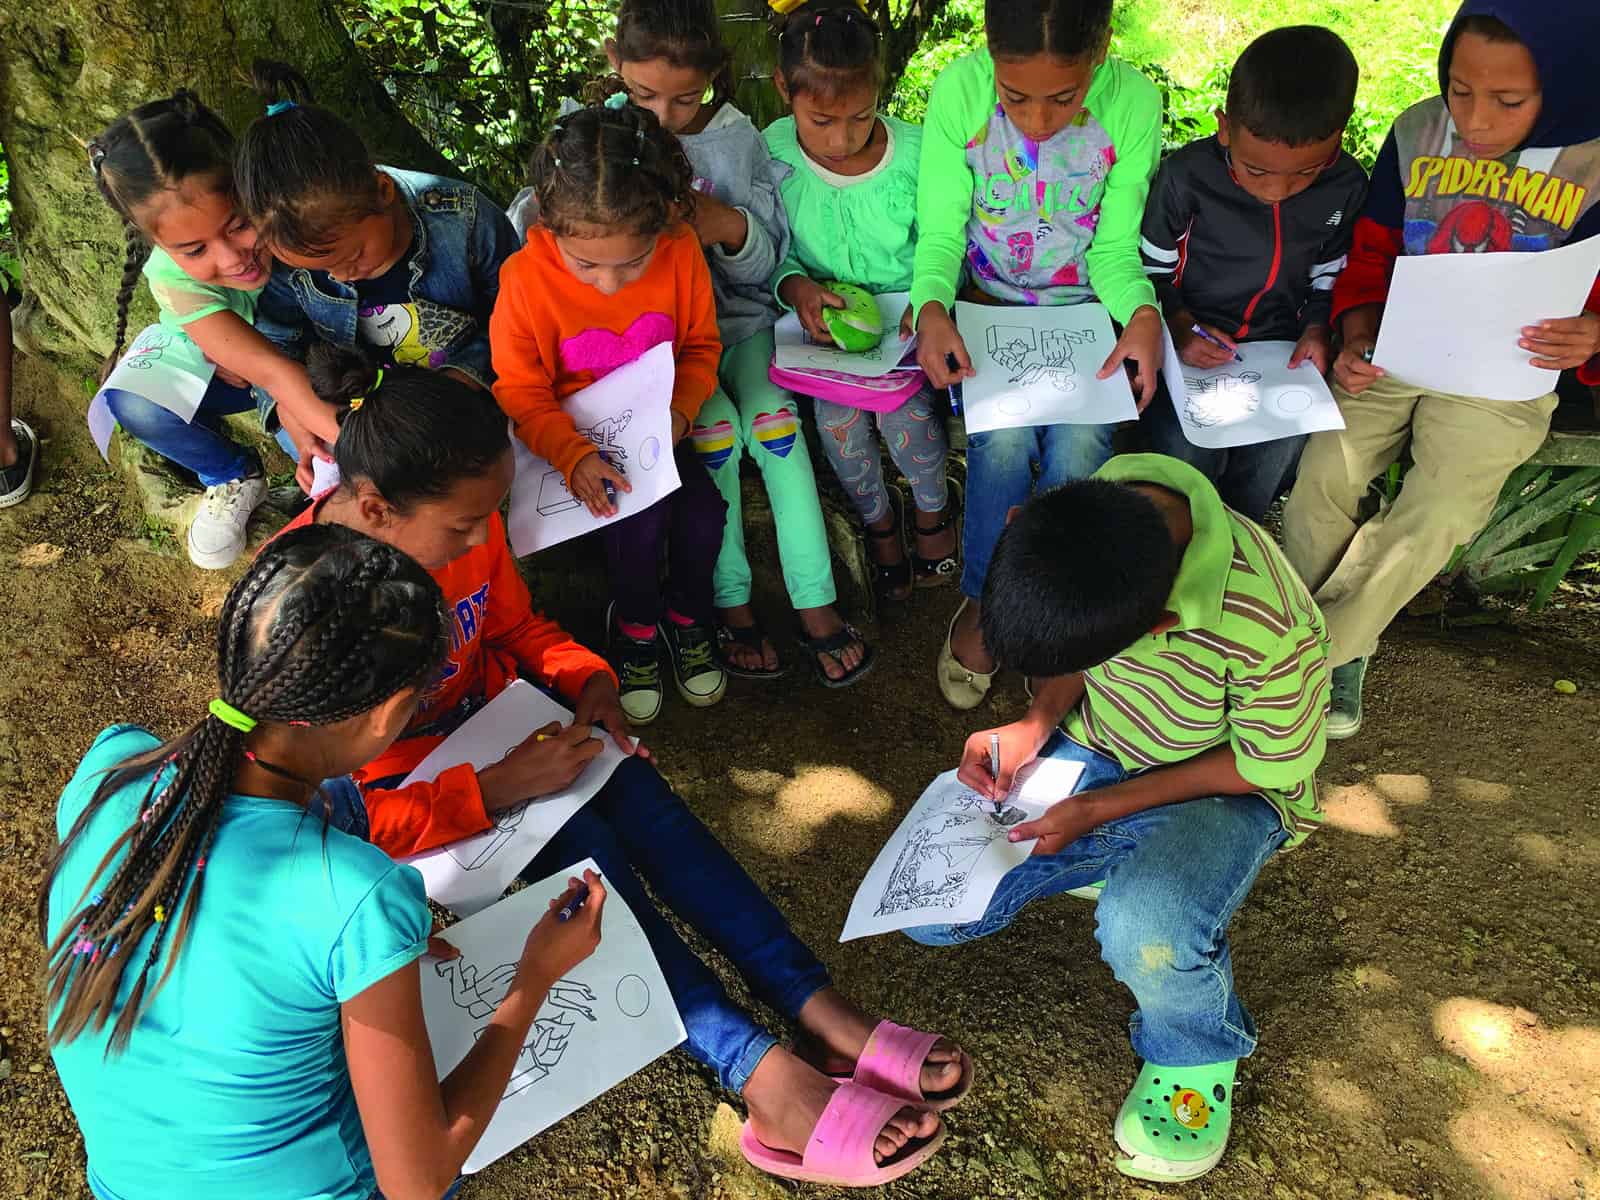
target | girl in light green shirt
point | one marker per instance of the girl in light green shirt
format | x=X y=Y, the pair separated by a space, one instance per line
x=851 y=197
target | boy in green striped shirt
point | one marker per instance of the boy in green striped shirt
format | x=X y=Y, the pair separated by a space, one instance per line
x=1179 y=658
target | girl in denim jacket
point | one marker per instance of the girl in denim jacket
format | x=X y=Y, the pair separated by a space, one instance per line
x=401 y=262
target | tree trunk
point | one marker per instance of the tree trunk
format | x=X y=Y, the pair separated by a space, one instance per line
x=69 y=67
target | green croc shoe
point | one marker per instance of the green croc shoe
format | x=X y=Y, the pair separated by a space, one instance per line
x=1174 y=1124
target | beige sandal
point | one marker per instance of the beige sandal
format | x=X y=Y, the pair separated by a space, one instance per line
x=962 y=687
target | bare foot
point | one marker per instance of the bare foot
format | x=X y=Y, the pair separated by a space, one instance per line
x=966 y=642
x=823 y=622
x=840 y=1031
x=786 y=1097
x=750 y=658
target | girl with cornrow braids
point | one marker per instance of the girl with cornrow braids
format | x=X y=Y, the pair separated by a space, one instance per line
x=233 y=994
x=424 y=465
x=166 y=168
x=612 y=268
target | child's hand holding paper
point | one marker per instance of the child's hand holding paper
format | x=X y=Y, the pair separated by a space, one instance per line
x=1564 y=344
x=547 y=761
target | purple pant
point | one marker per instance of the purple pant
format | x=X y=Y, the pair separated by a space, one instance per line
x=690 y=523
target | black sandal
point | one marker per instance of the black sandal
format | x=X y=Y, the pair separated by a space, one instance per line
x=892 y=581
x=744 y=635
x=936 y=572
x=834 y=646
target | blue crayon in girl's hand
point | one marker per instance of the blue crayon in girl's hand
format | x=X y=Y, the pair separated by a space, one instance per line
x=955 y=388
x=611 y=488
x=571 y=907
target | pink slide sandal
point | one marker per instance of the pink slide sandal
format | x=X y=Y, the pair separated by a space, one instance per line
x=892 y=1062
x=840 y=1150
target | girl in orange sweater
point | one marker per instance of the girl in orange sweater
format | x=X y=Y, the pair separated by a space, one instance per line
x=611 y=269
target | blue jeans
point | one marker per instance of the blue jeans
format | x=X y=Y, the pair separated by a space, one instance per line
x=1248 y=478
x=1174 y=877
x=1000 y=475
x=199 y=445
x=637 y=826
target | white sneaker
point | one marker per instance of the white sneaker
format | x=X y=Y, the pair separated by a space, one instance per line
x=217 y=535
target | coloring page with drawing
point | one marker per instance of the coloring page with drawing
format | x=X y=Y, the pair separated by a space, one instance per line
x=628 y=415
x=164 y=367
x=608 y=1018
x=1036 y=366
x=793 y=349
x=1258 y=400
x=943 y=863
x=473 y=873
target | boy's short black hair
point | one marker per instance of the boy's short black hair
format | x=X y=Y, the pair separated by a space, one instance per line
x=1294 y=85
x=1082 y=573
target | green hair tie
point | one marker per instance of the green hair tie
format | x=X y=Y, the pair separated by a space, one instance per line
x=231 y=716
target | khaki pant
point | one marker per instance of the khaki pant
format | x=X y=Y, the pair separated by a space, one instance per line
x=1464 y=448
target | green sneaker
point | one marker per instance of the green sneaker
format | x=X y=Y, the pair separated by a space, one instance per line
x=1089 y=891
x=1344 y=706
x=1174 y=1124
x=638 y=667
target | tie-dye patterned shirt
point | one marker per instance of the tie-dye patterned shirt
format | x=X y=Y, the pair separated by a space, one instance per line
x=1053 y=222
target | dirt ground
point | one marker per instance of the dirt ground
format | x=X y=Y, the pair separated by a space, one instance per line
x=1425 y=972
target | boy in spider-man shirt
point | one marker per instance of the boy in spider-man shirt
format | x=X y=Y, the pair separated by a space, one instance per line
x=1506 y=158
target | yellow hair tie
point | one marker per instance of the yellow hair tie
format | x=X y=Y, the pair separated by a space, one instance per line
x=357 y=401
x=785 y=7
x=161 y=914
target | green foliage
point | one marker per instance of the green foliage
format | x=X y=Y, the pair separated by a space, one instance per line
x=481 y=78
x=10 y=268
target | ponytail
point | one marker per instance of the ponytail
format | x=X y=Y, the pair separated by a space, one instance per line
x=412 y=433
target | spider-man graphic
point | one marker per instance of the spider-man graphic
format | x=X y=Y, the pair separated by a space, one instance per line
x=1472 y=228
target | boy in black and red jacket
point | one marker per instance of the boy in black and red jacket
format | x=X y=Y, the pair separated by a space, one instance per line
x=1245 y=232
x=1507 y=157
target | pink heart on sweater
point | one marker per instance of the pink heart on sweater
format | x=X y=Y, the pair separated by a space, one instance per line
x=600 y=351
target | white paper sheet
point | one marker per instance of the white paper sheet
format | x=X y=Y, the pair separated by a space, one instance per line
x=324 y=476
x=1452 y=321
x=628 y=414
x=943 y=863
x=610 y=1017
x=1036 y=366
x=468 y=875
x=1243 y=403
x=165 y=368
x=795 y=351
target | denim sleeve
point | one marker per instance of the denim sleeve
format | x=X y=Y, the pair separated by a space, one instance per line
x=494 y=239
x=281 y=320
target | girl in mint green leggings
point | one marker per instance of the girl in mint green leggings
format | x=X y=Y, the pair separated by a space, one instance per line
x=669 y=58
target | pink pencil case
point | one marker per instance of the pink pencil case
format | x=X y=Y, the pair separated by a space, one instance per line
x=885 y=393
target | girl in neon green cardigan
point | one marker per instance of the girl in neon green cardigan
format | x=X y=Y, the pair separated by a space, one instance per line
x=1037 y=157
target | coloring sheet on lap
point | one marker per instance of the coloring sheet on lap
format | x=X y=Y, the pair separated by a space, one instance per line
x=628 y=415
x=473 y=873
x=610 y=1017
x=1037 y=365
x=943 y=863
x=1244 y=403
x=165 y=368
x=1452 y=321
x=794 y=350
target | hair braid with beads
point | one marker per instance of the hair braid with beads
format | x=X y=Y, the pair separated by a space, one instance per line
x=153 y=149
x=327 y=624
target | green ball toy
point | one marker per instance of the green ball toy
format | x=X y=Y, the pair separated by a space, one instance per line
x=858 y=326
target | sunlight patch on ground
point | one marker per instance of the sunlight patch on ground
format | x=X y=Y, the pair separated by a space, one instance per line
x=1537 y=850
x=1342 y=1097
x=1404 y=790
x=1375 y=979
x=1359 y=809
x=786 y=816
x=1528 y=1128
x=739 y=1178
x=1481 y=791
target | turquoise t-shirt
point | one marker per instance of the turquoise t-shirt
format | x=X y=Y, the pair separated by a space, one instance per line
x=234 y=1085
